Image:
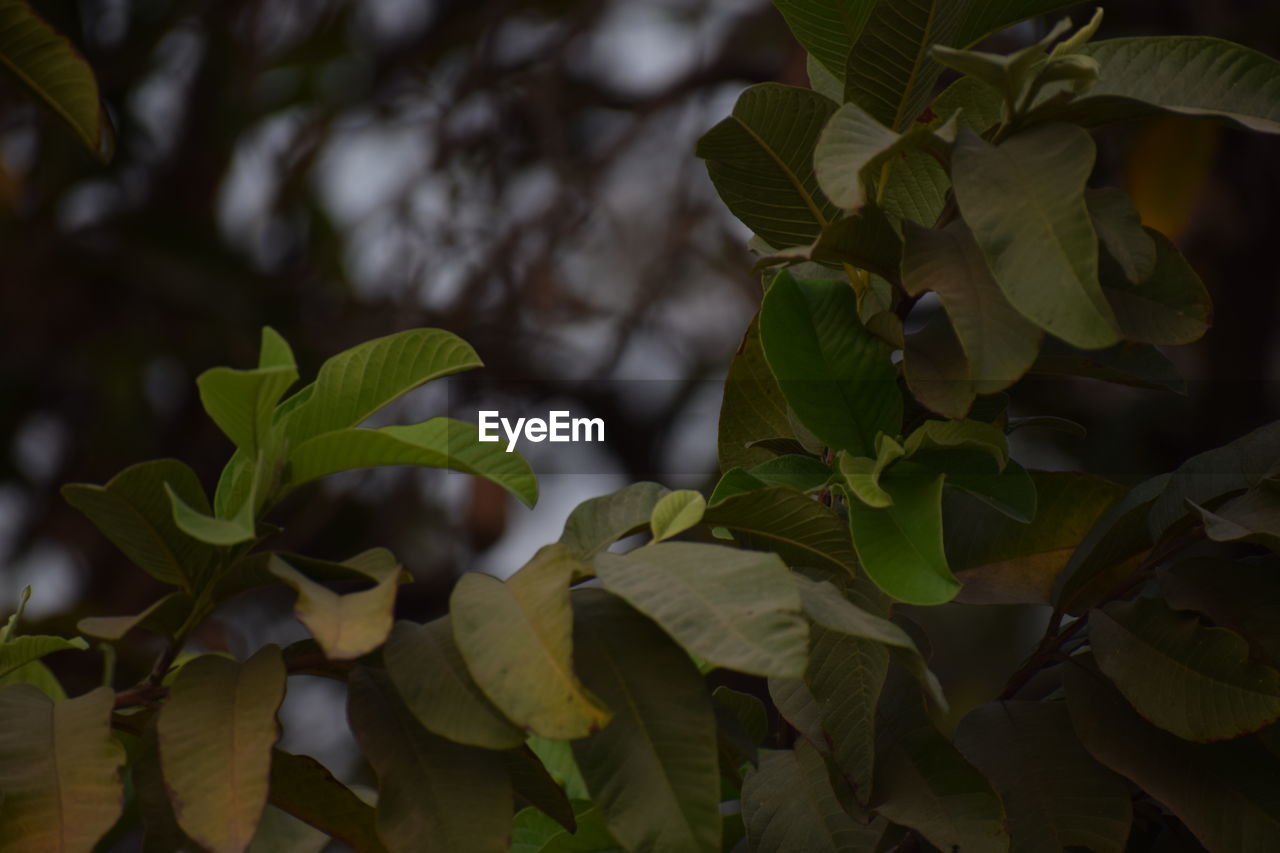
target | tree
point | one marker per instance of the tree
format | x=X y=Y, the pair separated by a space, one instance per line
x=855 y=485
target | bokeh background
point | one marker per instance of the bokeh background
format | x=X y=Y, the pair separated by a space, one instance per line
x=521 y=173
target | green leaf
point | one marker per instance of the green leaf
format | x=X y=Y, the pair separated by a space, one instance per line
x=900 y=546
x=47 y=64
x=736 y=609
x=854 y=148
x=923 y=783
x=1024 y=201
x=824 y=604
x=653 y=768
x=1236 y=594
x=433 y=794
x=242 y=402
x=163 y=617
x=20 y=651
x=826 y=29
x=1120 y=231
x=597 y=523
x=676 y=513
x=1227 y=794
x=208 y=529
x=254 y=570
x=845 y=676
x=916 y=190
x=1057 y=797
x=760 y=160
x=753 y=406
x=1170 y=307
x=59 y=771
x=788 y=805
x=834 y=374
x=215 y=733
x=351 y=625
x=39 y=676
x=354 y=384
x=1233 y=467
x=304 y=788
x=161 y=831
x=745 y=709
x=1139 y=365
x=1009 y=74
x=133 y=511
x=435 y=443
x=890 y=73
x=432 y=679
x=735 y=482
x=517 y=640
x=799 y=529
x=976 y=436
x=1189 y=679
x=534 y=832
x=822 y=81
x=1002 y=561
x=865 y=240
x=1187 y=75
x=796 y=471
x=557 y=757
x=862 y=475
x=999 y=344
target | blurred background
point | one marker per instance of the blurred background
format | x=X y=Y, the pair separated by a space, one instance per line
x=519 y=172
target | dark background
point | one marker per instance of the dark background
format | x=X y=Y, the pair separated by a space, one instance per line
x=520 y=173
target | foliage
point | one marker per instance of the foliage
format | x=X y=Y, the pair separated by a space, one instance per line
x=853 y=483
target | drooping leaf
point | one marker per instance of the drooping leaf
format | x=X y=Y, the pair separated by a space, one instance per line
x=1171 y=306
x=999 y=344
x=1056 y=795
x=432 y=679
x=652 y=770
x=60 y=787
x=865 y=239
x=1227 y=794
x=133 y=511
x=1138 y=365
x=1024 y=202
x=533 y=783
x=1187 y=678
x=1103 y=558
x=435 y=443
x=799 y=529
x=922 y=781
x=351 y=625
x=597 y=523
x=733 y=608
x=792 y=470
x=900 y=546
x=1011 y=491
x=826 y=29
x=242 y=402
x=1190 y=75
x=965 y=435
x=854 y=148
x=517 y=640
x=890 y=73
x=46 y=63
x=788 y=804
x=761 y=162
x=163 y=617
x=937 y=370
x=20 y=651
x=433 y=794
x=862 y=474
x=304 y=788
x=215 y=733
x=834 y=374
x=254 y=570
x=824 y=604
x=676 y=513
x=1233 y=467
x=1120 y=231
x=753 y=406
x=557 y=757
x=1003 y=561
x=209 y=529
x=354 y=384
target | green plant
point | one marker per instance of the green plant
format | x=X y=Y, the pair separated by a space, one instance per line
x=579 y=687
